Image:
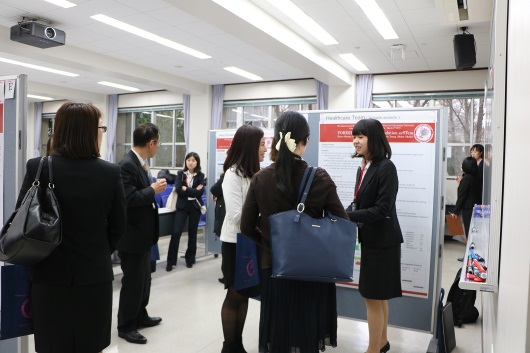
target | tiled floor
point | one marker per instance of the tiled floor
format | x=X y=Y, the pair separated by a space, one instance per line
x=189 y=301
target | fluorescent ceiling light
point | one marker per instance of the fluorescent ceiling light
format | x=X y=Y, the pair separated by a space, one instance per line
x=62 y=3
x=354 y=62
x=378 y=18
x=148 y=35
x=37 y=67
x=269 y=25
x=116 y=85
x=243 y=73
x=39 y=97
x=299 y=16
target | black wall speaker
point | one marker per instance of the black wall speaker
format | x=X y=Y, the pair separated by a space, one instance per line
x=465 y=53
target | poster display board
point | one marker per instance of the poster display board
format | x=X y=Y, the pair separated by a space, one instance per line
x=417 y=143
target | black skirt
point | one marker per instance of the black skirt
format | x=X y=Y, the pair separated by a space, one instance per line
x=72 y=319
x=380 y=276
x=296 y=316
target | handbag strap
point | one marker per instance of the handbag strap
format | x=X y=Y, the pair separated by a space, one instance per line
x=51 y=185
x=301 y=204
x=36 y=182
x=302 y=184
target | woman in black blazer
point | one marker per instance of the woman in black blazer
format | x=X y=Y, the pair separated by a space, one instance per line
x=374 y=209
x=189 y=185
x=469 y=192
x=72 y=288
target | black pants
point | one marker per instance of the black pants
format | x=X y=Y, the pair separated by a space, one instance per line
x=135 y=289
x=191 y=214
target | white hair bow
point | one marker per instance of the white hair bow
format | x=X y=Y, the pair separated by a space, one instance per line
x=291 y=144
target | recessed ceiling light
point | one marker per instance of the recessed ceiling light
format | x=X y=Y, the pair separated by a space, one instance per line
x=378 y=18
x=62 y=3
x=117 y=85
x=354 y=62
x=299 y=16
x=37 y=67
x=148 y=35
x=243 y=73
x=40 y=97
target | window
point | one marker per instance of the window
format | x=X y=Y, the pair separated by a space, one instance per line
x=170 y=121
x=465 y=123
x=262 y=113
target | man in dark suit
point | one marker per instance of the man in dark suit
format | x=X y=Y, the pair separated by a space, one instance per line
x=134 y=247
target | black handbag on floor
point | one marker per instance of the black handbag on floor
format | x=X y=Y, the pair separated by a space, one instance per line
x=34 y=230
x=311 y=249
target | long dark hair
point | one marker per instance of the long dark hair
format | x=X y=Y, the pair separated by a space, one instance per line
x=197 y=158
x=297 y=125
x=377 y=142
x=243 y=153
x=76 y=131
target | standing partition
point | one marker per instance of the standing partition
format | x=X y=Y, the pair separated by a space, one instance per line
x=13 y=111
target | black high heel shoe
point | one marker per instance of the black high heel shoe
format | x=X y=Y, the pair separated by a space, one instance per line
x=386 y=347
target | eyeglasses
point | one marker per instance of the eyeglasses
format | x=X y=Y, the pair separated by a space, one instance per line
x=103 y=128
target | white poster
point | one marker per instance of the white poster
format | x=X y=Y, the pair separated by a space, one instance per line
x=412 y=137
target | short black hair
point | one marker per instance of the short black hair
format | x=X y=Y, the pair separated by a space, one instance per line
x=197 y=158
x=75 y=133
x=144 y=133
x=469 y=165
x=479 y=148
x=377 y=142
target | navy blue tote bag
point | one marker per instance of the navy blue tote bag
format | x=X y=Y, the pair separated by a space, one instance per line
x=246 y=280
x=16 y=317
x=311 y=249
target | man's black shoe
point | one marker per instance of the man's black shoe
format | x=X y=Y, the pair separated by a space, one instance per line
x=189 y=265
x=461 y=259
x=169 y=268
x=221 y=280
x=133 y=337
x=150 y=321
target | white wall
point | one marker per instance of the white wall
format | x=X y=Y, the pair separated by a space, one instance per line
x=513 y=327
x=270 y=90
x=430 y=81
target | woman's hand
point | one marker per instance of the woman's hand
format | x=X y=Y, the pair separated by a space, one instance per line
x=200 y=187
x=184 y=188
x=453 y=215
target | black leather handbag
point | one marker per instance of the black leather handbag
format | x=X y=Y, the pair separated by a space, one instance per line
x=34 y=230
x=311 y=249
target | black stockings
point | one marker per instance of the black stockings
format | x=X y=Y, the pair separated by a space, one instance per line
x=233 y=315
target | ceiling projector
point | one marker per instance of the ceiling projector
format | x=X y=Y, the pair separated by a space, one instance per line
x=37 y=35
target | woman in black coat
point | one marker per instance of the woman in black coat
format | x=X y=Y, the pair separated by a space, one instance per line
x=469 y=192
x=189 y=185
x=380 y=236
x=72 y=288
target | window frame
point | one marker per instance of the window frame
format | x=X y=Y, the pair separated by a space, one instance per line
x=175 y=146
x=431 y=99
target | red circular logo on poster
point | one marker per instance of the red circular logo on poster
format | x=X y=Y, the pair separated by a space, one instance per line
x=423 y=133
